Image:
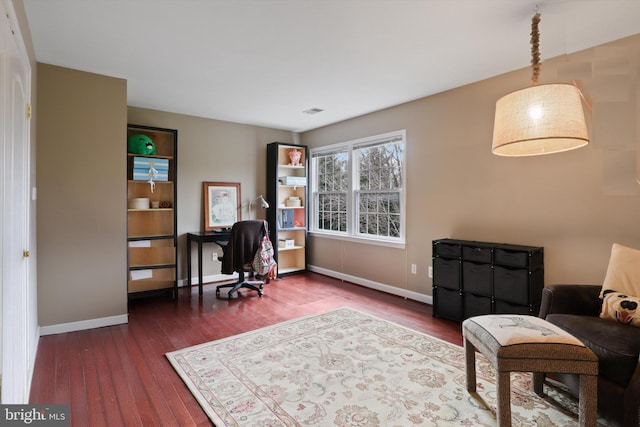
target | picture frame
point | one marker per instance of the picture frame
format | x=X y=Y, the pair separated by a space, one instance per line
x=222 y=207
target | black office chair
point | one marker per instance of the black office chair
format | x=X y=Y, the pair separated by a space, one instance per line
x=244 y=242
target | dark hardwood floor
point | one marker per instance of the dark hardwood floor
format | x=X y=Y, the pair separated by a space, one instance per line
x=119 y=376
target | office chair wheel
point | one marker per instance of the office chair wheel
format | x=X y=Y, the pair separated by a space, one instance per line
x=260 y=294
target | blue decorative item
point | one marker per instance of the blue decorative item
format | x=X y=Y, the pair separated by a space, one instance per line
x=145 y=168
x=141 y=144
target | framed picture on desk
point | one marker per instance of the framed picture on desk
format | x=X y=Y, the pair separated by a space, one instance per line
x=222 y=206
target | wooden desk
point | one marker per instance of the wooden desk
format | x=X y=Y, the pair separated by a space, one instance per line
x=220 y=238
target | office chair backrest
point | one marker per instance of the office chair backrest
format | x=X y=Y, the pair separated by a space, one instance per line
x=244 y=241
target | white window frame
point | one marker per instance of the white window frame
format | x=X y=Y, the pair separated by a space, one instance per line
x=352 y=233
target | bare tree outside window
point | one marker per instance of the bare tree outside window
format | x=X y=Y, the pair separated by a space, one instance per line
x=331 y=197
x=380 y=182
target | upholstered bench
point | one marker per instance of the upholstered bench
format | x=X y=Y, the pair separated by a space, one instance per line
x=521 y=343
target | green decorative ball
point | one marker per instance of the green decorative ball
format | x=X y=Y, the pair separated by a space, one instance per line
x=141 y=144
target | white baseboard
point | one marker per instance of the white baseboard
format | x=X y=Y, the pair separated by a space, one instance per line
x=118 y=320
x=416 y=296
x=84 y=324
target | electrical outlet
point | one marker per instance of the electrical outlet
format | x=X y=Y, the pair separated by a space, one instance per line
x=214 y=256
x=414 y=269
x=430 y=272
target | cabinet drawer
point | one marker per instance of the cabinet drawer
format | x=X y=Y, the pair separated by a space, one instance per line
x=477 y=278
x=511 y=258
x=447 y=303
x=536 y=283
x=449 y=250
x=476 y=254
x=475 y=305
x=446 y=273
x=504 y=307
x=511 y=284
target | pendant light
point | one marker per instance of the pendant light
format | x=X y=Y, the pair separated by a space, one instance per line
x=540 y=119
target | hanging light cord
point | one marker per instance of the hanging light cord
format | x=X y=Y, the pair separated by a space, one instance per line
x=535 y=48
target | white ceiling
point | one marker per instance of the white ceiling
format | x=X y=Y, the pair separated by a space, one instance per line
x=263 y=62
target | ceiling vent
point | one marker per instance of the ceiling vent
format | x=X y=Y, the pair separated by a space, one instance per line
x=313 y=111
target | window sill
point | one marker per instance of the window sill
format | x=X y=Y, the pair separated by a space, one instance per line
x=363 y=240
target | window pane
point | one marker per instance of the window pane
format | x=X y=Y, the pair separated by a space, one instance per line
x=332 y=173
x=380 y=213
x=332 y=186
x=380 y=170
x=380 y=167
x=332 y=212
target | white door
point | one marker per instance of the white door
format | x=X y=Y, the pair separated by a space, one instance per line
x=18 y=305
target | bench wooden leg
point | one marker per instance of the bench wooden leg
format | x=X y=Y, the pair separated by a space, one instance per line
x=503 y=393
x=537 y=379
x=588 y=403
x=470 y=365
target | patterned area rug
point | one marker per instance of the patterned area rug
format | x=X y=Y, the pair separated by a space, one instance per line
x=346 y=368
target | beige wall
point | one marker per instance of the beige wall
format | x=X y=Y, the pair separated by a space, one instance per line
x=212 y=150
x=81 y=206
x=575 y=204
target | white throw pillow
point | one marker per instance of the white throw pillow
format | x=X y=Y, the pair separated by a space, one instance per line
x=623 y=272
x=622 y=308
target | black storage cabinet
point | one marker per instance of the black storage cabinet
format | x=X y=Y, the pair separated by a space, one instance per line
x=473 y=278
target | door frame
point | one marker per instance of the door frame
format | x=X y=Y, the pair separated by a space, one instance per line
x=18 y=305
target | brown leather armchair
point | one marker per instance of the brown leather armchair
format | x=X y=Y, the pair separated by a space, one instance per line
x=576 y=309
